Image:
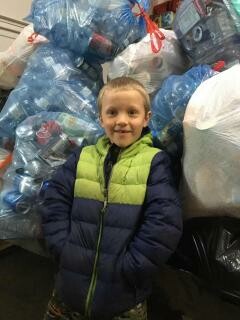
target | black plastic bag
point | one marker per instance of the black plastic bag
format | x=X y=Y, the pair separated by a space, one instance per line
x=210 y=249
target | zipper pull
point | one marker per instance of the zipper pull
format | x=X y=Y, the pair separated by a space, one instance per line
x=104 y=204
x=105 y=201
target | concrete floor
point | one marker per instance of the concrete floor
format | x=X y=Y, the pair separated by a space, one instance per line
x=26 y=281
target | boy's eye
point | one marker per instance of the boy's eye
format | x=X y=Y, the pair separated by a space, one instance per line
x=111 y=112
x=132 y=112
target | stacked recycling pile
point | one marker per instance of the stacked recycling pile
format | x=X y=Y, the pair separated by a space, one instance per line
x=56 y=74
x=208 y=32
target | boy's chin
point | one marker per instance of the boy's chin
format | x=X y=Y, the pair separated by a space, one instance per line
x=123 y=144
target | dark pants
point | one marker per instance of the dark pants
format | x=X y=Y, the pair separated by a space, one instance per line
x=58 y=310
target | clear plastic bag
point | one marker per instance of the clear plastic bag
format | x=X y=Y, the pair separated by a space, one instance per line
x=95 y=29
x=169 y=104
x=43 y=143
x=209 y=31
x=211 y=142
x=51 y=82
x=13 y=60
x=151 y=69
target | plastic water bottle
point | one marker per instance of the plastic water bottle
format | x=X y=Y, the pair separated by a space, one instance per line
x=169 y=103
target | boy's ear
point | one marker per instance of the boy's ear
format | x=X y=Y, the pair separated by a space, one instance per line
x=147 y=118
x=100 y=119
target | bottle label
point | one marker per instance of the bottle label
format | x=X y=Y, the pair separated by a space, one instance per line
x=101 y=44
x=188 y=19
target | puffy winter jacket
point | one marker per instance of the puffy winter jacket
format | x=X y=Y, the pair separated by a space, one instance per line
x=111 y=238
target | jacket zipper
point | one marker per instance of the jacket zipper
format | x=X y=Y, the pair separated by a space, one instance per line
x=92 y=287
x=93 y=282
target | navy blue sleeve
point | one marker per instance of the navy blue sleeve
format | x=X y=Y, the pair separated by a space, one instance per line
x=56 y=206
x=161 y=228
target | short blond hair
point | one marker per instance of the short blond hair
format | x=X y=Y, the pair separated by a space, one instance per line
x=124 y=83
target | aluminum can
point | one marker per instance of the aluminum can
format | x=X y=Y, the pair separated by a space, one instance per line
x=43 y=136
x=27 y=185
x=34 y=168
x=25 y=132
x=61 y=145
x=17 y=202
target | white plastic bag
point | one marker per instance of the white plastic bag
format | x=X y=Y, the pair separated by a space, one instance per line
x=13 y=60
x=212 y=147
x=140 y=62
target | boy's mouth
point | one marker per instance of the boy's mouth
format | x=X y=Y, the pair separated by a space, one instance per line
x=122 y=131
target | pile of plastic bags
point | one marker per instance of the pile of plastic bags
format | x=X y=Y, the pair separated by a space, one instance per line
x=55 y=70
x=52 y=108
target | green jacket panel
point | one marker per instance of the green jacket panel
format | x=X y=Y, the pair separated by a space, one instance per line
x=129 y=175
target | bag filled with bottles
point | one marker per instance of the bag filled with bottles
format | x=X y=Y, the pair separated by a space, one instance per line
x=209 y=30
x=52 y=82
x=96 y=29
x=169 y=104
x=43 y=143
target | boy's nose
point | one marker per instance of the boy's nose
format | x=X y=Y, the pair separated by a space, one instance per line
x=122 y=119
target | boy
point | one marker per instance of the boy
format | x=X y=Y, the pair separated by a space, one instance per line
x=111 y=215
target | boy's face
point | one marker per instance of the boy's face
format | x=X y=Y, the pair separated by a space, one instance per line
x=123 y=116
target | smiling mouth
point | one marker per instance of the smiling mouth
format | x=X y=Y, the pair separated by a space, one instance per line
x=122 y=131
